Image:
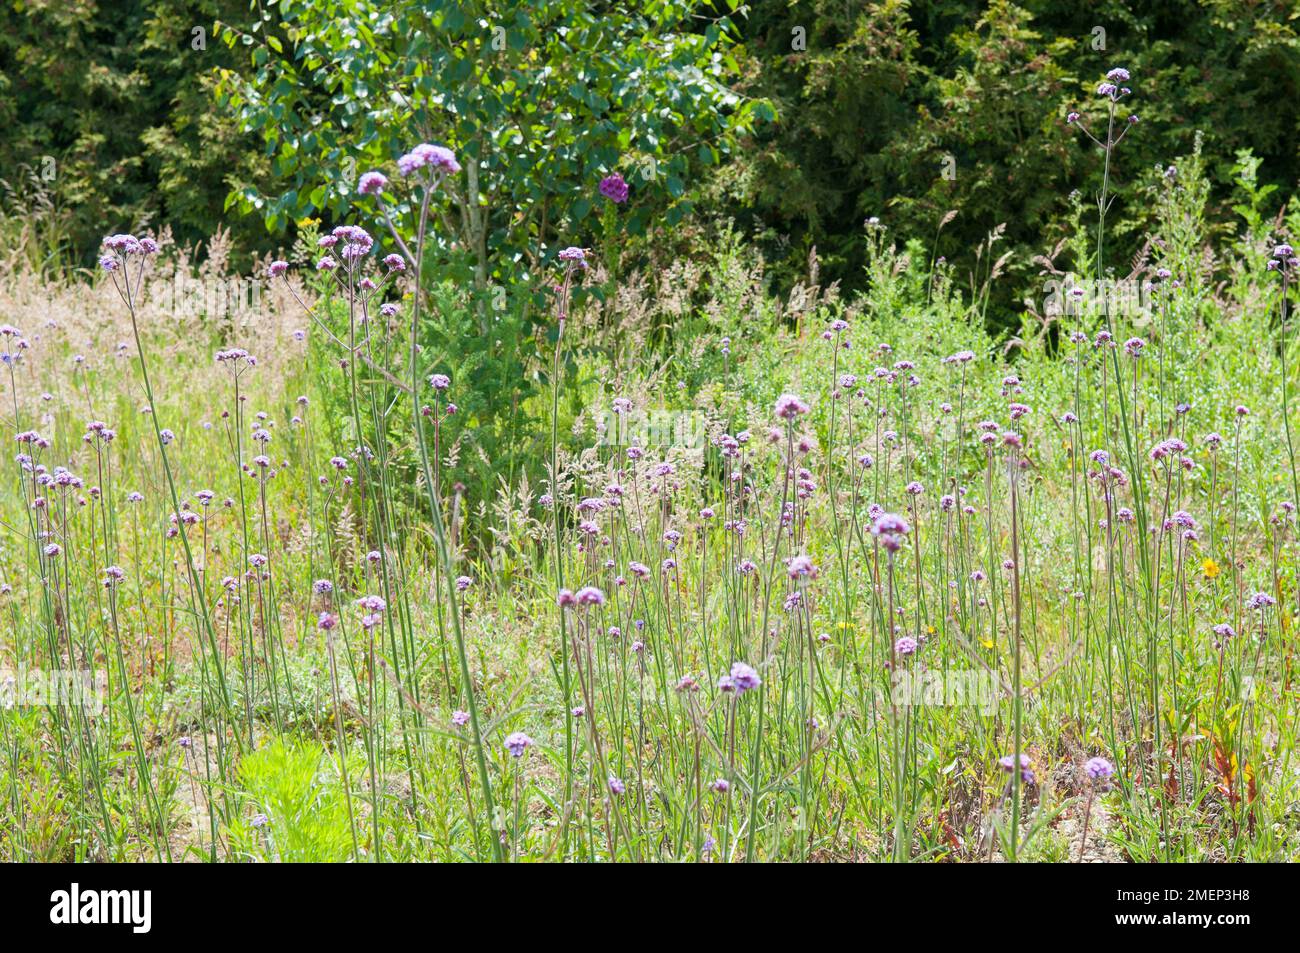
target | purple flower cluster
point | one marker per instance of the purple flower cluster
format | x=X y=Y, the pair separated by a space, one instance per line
x=438 y=159
x=614 y=188
x=517 y=743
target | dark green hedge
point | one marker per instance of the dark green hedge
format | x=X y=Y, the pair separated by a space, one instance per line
x=874 y=102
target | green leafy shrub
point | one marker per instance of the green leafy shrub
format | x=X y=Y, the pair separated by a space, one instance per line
x=295 y=788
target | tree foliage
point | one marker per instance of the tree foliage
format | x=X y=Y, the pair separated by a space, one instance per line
x=538 y=98
x=108 y=119
x=884 y=98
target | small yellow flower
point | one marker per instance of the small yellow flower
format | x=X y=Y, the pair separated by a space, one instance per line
x=987 y=643
x=1209 y=568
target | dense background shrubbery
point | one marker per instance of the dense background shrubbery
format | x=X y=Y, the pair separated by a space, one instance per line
x=867 y=103
x=755 y=142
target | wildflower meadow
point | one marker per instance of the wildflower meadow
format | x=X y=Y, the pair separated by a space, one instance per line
x=358 y=554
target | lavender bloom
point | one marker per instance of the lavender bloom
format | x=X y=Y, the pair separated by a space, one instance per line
x=517 y=743
x=589 y=596
x=789 y=407
x=890 y=529
x=438 y=158
x=614 y=188
x=744 y=678
x=372 y=183
x=801 y=567
x=576 y=257
x=1099 y=769
x=1007 y=762
x=123 y=244
x=372 y=604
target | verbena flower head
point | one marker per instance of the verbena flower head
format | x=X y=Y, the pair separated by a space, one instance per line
x=1099 y=769
x=517 y=743
x=590 y=596
x=801 y=567
x=372 y=604
x=1260 y=600
x=124 y=244
x=790 y=407
x=890 y=528
x=439 y=159
x=744 y=678
x=372 y=183
x=614 y=188
x=574 y=257
x=1008 y=764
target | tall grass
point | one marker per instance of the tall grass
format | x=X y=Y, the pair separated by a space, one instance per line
x=916 y=593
